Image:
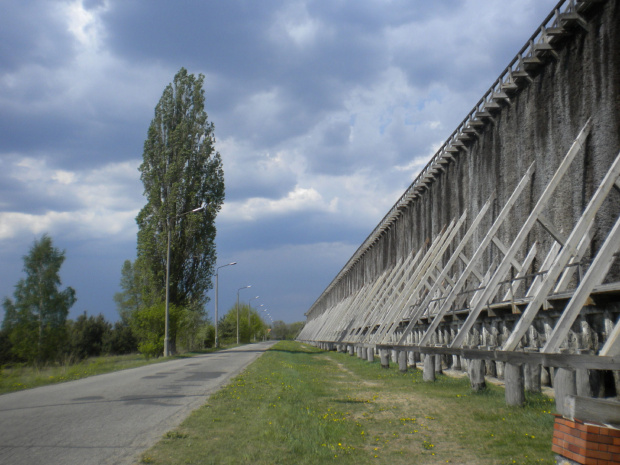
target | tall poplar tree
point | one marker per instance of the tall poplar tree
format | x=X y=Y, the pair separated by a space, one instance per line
x=181 y=170
x=36 y=319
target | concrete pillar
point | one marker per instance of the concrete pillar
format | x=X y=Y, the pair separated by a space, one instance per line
x=385 y=361
x=365 y=353
x=476 y=374
x=456 y=362
x=351 y=350
x=394 y=355
x=564 y=384
x=429 y=368
x=371 y=355
x=515 y=385
x=402 y=361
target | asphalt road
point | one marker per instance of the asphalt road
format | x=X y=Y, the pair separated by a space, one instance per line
x=112 y=418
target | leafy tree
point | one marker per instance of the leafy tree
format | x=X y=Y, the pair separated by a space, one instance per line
x=190 y=328
x=120 y=340
x=254 y=328
x=148 y=325
x=87 y=336
x=281 y=330
x=130 y=300
x=36 y=319
x=180 y=171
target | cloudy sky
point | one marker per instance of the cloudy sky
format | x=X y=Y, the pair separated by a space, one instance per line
x=324 y=112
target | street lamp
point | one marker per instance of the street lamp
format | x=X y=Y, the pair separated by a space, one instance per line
x=241 y=288
x=167 y=320
x=217 y=277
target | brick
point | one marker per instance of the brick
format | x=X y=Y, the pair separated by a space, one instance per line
x=592 y=429
x=600 y=455
x=576 y=449
x=557 y=449
x=600 y=439
x=576 y=457
x=612 y=432
x=578 y=442
x=613 y=450
x=562 y=428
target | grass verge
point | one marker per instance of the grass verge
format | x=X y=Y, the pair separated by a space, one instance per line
x=18 y=377
x=297 y=404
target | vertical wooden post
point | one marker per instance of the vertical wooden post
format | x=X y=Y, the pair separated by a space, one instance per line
x=476 y=374
x=564 y=385
x=531 y=373
x=429 y=368
x=582 y=381
x=402 y=361
x=499 y=369
x=515 y=385
x=438 y=365
x=411 y=358
x=385 y=361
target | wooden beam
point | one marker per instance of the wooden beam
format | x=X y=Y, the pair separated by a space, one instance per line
x=564 y=256
x=594 y=410
x=482 y=247
x=523 y=234
x=595 y=275
x=557 y=235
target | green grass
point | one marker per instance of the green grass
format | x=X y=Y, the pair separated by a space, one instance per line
x=21 y=377
x=300 y=405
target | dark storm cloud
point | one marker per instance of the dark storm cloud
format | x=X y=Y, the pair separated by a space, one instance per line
x=292 y=229
x=31 y=31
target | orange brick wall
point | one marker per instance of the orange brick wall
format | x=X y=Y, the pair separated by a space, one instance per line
x=586 y=443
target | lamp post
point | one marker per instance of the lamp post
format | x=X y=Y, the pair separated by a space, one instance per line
x=167 y=320
x=241 y=288
x=217 y=277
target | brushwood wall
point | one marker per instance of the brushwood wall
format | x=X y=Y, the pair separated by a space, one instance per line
x=537 y=124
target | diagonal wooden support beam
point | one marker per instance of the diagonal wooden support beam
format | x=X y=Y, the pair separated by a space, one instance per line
x=595 y=275
x=564 y=256
x=570 y=270
x=457 y=253
x=482 y=247
x=367 y=315
x=612 y=345
x=421 y=273
x=521 y=237
x=557 y=235
x=474 y=271
x=374 y=313
x=514 y=286
x=504 y=250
